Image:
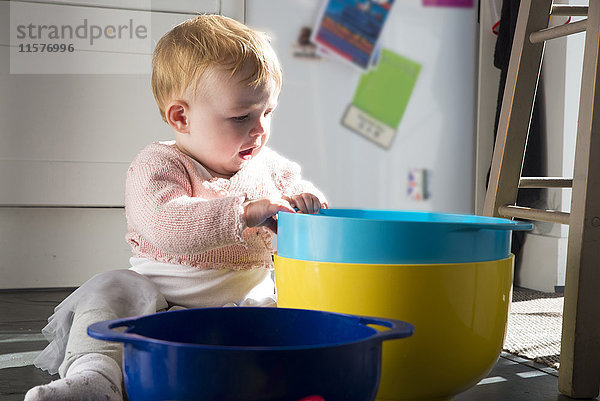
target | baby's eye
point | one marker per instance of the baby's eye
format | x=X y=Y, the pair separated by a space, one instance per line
x=240 y=118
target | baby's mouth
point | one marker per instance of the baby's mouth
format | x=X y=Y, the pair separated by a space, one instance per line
x=246 y=154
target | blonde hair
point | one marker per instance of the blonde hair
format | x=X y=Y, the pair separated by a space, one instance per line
x=183 y=55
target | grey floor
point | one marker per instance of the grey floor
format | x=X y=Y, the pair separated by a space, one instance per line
x=24 y=313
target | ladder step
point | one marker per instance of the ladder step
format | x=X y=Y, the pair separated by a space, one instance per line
x=565 y=10
x=521 y=212
x=558 y=31
x=545 y=182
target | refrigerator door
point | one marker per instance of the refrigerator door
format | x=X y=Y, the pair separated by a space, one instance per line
x=433 y=147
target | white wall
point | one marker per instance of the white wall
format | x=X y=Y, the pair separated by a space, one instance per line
x=60 y=247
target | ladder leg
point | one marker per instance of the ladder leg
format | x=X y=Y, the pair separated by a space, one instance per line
x=515 y=114
x=579 y=373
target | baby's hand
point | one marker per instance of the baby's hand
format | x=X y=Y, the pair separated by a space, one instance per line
x=306 y=203
x=260 y=212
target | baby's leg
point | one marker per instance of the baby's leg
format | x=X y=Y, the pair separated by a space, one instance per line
x=91 y=369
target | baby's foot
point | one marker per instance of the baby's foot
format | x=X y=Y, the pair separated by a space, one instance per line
x=84 y=386
x=93 y=377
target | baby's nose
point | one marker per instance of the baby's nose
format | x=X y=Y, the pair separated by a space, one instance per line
x=258 y=129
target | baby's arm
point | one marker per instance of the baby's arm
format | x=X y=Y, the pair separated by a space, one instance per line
x=162 y=206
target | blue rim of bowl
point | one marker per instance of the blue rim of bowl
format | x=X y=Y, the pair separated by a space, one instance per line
x=487 y=222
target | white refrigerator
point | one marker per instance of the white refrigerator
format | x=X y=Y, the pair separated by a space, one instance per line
x=433 y=148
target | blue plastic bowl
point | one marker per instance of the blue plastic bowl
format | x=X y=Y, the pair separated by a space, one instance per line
x=394 y=237
x=250 y=354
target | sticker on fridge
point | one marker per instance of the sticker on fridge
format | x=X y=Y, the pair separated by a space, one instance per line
x=418 y=184
x=350 y=29
x=381 y=98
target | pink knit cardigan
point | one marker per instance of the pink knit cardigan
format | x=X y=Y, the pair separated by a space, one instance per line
x=178 y=213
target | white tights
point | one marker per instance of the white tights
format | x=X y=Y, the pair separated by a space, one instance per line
x=91 y=369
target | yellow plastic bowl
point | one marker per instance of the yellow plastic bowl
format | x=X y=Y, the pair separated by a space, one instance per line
x=459 y=312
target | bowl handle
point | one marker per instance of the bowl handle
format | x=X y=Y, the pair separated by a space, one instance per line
x=104 y=331
x=398 y=328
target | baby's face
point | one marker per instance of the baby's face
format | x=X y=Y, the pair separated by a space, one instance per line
x=230 y=122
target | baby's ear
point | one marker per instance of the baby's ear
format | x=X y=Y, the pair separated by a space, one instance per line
x=176 y=113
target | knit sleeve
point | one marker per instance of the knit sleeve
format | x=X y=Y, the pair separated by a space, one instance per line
x=288 y=178
x=160 y=207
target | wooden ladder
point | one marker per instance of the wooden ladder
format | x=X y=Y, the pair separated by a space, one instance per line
x=579 y=372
